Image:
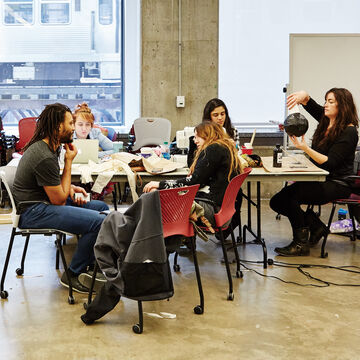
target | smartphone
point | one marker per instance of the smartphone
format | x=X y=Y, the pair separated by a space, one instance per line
x=82 y=196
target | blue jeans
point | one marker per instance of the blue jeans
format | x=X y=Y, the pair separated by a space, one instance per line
x=84 y=221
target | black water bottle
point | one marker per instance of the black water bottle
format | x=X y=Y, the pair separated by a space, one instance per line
x=277 y=156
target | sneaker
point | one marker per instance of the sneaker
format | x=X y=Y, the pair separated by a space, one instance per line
x=76 y=285
x=85 y=280
x=99 y=275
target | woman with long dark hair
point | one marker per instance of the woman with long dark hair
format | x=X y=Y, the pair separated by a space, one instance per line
x=216 y=162
x=333 y=149
x=216 y=111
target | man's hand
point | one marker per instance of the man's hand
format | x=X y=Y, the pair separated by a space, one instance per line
x=78 y=189
x=70 y=151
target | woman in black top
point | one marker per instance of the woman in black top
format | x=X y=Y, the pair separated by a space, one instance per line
x=216 y=162
x=333 y=149
x=216 y=111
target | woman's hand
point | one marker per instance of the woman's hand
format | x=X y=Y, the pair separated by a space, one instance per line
x=151 y=186
x=299 y=144
x=299 y=97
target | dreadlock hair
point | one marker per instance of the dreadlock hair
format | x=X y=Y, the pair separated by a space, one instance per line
x=213 y=133
x=48 y=124
x=213 y=104
x=347 y=115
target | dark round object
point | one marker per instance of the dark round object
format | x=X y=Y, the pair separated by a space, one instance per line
x=296 y=124
x=136 y=329
x=270 y=261
x=239 y=274
x=71 y=300
x=19 y=271
x=198 y=310
x=4 y=294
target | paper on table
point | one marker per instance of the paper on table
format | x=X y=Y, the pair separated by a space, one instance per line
x=294 y=163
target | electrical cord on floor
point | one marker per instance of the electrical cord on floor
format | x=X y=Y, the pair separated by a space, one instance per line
x=300 y=268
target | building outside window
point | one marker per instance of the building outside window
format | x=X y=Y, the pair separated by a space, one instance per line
x=67 y=51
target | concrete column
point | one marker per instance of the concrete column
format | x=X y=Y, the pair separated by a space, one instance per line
x=159 y=78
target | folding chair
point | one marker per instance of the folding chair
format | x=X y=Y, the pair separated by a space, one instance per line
x=175 y=210
x=222 y=217
x=7 y=175
x=151 y=131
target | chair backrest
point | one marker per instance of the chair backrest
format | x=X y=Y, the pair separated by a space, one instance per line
x=151 y=131
x=228 y=204
x=7 y=176
x=26 y=131
x=175 y=210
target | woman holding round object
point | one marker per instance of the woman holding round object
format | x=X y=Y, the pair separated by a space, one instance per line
x=333 y=149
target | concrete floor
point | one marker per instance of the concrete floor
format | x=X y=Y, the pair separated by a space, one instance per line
x=268 y=319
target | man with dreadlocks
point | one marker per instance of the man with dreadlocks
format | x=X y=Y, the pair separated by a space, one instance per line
x=46 y=200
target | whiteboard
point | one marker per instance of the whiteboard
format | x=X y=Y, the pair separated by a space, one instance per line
x=319 y=62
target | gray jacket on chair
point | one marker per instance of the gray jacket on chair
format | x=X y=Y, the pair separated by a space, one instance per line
x=130 y=250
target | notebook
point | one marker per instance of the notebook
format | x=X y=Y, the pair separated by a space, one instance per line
x=88 y=149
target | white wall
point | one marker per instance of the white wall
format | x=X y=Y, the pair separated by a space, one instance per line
x=132 y=62
x=254 y=49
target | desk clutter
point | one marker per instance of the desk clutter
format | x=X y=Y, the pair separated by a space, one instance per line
x=293 y=163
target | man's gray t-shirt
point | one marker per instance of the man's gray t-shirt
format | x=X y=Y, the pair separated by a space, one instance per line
x=37 y=168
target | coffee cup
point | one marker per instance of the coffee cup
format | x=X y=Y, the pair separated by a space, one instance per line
x=245 y=150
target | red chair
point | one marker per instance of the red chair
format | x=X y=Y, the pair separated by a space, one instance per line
x=26 y=131
x=222 y=217
x=175 y=210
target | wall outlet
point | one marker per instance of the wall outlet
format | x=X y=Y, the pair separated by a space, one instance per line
x=180 y=101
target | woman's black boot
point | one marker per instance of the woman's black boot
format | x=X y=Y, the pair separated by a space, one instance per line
x=299 y=246
x=317 y=228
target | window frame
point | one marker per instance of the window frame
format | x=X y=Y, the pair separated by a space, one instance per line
x=44 y=2
x=18 y=2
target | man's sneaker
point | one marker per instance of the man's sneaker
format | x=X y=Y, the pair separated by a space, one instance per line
x=85 y=279
x=99 y=275
x=76 y=285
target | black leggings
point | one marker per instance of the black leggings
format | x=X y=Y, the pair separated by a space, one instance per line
x=287 y=202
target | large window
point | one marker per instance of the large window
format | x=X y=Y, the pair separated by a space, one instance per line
x=67 y=51
x=254 y=50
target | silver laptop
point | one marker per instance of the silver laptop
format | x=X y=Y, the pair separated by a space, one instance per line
x=88 y=149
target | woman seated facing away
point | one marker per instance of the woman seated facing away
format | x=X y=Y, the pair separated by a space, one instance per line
x=216 y=111
x=333 y=149
x=216 y=162
x=84 y=129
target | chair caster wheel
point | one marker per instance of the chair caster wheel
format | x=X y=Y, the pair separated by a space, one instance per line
x=198 y=310
x=4 y=294
x=239 y=274
x=325 y=255
x=176 y=268
x=278 y=217
x=85 y=305
x=71 y=300
x=231 y=296
x=136 y=329
x=19 y=271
